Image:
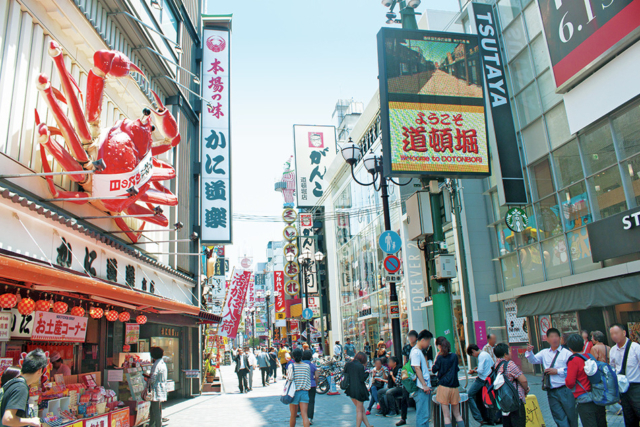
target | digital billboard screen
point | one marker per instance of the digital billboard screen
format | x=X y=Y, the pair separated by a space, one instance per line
x=432 y=104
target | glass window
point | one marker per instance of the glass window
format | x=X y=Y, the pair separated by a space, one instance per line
x=597 y=148
x=521 y=70
x=627 y=130
x=531 y=261
x=575 y=206
x=506 y=241
x=542 y=180
x=548 y=215
x=533 y=21
x=514 y=38
x=528 y=104
x=581 y=251
x=631 y=169
x=508 y=9
x=556 y=258
x=540 y=54
x=511 y=272
x=557 y=126
x=607 y=189
x=548 y=91
x=535 y=142
x=566 y=160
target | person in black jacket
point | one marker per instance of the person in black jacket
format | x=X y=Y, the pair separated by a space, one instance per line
x=242 y=370
x=446 y=366
x=355 y=376
x=387 y=396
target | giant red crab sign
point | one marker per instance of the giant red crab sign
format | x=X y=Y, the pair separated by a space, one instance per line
x=124 y=176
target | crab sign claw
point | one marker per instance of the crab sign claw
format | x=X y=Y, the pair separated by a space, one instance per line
x=167 y=126
x=106 y=63
x=65 y=159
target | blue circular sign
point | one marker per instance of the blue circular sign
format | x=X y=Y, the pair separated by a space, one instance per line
x=390 y=242
x=392 y=264
x=307 y=314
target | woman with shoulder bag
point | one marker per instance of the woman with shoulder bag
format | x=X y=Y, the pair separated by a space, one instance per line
x=300 y=374
x=446 y=366
x=156 y=390
x=379 y=376
x=354 y=386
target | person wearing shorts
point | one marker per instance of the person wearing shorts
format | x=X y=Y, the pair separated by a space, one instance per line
x=446 y=366
x=300 y=373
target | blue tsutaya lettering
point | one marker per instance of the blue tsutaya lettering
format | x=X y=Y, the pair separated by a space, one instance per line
x=495 y=76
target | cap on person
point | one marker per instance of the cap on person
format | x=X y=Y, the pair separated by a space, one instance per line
x=55 y=356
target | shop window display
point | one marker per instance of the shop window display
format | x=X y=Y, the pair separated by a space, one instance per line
x=575 y=206
x=532 y=266
x=556 y=257
x=606 y=186
x=548 y=216
x=543 y=184
x=511 y=272
x=581 y=251
x=631 y=172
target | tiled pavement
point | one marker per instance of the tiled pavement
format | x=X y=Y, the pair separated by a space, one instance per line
x=262 y=407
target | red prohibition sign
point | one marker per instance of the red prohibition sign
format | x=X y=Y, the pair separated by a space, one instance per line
x=392 y=264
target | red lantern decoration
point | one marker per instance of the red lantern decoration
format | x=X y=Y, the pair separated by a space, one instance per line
x=77 y=311
x=26 y=306
x=43 y=305
x=8 y=300
x=124 y=316
x=111 y=315
x=141 y=320
x=96 y=312
x=60 y=307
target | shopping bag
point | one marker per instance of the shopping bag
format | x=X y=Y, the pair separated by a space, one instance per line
x=288 y=392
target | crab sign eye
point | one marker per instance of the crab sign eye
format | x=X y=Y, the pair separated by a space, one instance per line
x=153 y=128
x=146 y=112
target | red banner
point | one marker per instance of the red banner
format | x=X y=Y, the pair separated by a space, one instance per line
x=58 y=327
x=232 y=312
x=278 y=280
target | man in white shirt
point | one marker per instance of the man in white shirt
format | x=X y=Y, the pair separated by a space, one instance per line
x=630 y=368
x=423 y=379
x=483 y=370
x=561 y=400
x=253 y=363
x=492 y=340
x=337 y=351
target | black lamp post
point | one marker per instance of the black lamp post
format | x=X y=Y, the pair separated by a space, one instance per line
x=373 y=164
x=268 y=298
x=253 y=328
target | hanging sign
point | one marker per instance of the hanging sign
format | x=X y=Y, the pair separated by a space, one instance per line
x=290 y=232
x=292 y=287
x=59 y=327
x=516 y=326
x=5 y=326
x=232 y=312
x=289 y=215
x=132 y=333
x=291 y=268
x=315 y=148
x=516 y=219
x=278 y=287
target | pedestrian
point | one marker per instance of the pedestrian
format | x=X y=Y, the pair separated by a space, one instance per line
x=381 y=350
x=591 y=415
x=483 y=370
x=599 y=350
x=10 y=373
x=300 y=374
x=157 y=386
x=282 y=356
x=367 y=349
x=554 y=362
x=379 y=376
x=412 y=336
x=265 y=366
x=314 y=373
x=625 y=360
x=14 y=406
x=355 y=377
x=586 y=342
x=387 y=396
x=513 y=373
x=447 y=394
x=419 y=365
x=253 y=365
x=337 y=350
x=273 y=361
x=242 y=370
x=349 y=350
x=492 y=339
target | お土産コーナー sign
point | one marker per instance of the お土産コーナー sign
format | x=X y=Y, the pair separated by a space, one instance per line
x=58 y=327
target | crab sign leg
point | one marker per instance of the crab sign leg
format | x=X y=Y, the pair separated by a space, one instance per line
x=162 y=171
x=160 y=196
x=71 y=137
x=157 y=219
x=65 y=159
x=167 y=126
x=81 y=196
x=68 y=85
x=134 y=236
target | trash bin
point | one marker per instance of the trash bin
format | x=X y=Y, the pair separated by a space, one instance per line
x=436 y=412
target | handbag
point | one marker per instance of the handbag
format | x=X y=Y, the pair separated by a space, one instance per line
x=289 y=391
x=147 y=394
x=546 y=378
x=344 y=384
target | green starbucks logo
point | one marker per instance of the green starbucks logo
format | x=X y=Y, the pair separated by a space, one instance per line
x=516 y=219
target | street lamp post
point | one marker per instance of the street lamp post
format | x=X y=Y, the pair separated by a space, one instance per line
x=373 y=164
x=253 y=328
x=407 y=13
x=268 y=297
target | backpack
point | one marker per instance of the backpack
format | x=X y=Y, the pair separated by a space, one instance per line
x=604 y=383
x=488 y=393
x=507 y=396
x=408 y=377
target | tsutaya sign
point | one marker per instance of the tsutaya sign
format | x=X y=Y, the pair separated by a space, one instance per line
x=615 y=236
x=216 y=142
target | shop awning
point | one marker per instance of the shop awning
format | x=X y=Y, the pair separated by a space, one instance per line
x=44 y=277
x=601 y=293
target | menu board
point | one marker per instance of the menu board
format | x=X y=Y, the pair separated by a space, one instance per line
x=142 y=412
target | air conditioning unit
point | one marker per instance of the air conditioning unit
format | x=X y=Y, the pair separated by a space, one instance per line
x=419 y=223
x=445 y=266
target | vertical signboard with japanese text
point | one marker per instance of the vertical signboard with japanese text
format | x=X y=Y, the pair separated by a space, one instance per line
x=307 y=243
x=216 y=138
x=315 y=148
x=232 y=312
x=432 y=104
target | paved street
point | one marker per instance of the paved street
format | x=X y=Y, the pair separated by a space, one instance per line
x=262 y=407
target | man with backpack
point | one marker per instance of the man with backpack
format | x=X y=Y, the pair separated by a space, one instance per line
x=591 y=415
x=483 y=370
x=512 y=374
x=554 y=362
x=625 y=360
x=15 y=398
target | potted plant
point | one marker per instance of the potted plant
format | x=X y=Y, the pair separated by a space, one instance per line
x=210 y=369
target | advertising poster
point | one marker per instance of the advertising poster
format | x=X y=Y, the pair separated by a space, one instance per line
x=315 y=148
x=120 y=418
x=634 y=331
x=516 y=326
x=432 y=104
x=5 y=326
x=132 y=333
x=58 y=327
x=216 y=143
x=232 y=312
